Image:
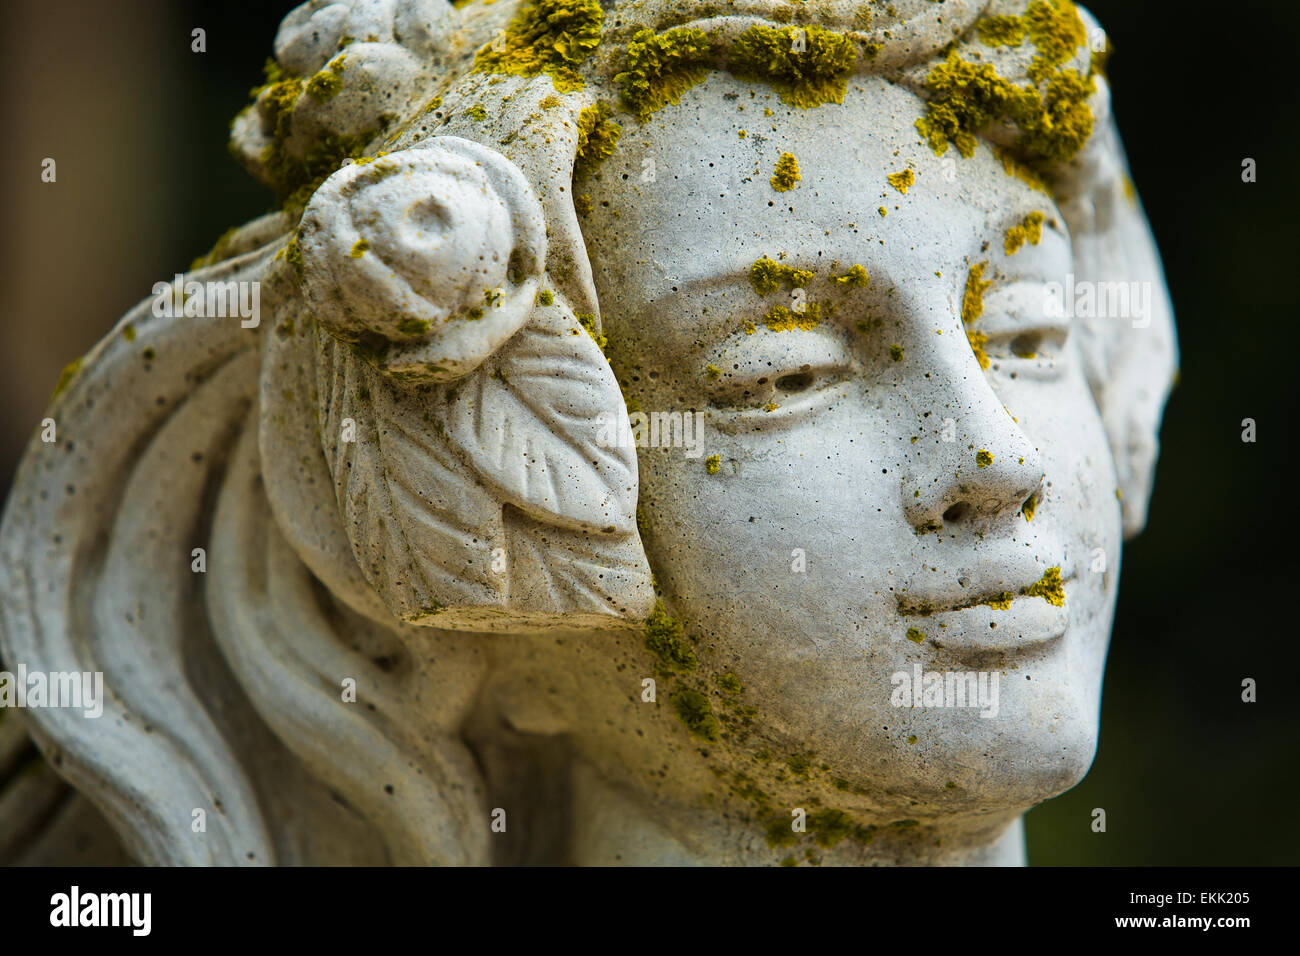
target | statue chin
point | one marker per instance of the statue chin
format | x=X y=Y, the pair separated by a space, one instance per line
x=654 y=439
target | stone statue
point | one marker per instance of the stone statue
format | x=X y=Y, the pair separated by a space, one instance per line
x=662 y=432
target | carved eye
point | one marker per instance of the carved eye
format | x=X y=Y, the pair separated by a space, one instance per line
x=1028 y=345
x=799 y=382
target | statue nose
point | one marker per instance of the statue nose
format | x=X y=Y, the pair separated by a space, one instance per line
x=977 y=465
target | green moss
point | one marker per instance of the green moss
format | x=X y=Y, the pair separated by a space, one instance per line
x=547 y=36
x=664 y=637
x=828 y=827
x=546 y=297
x=597 y=137
x=915 y=635
x=477 y=112
x=1029 y=230
x=293 y=256
x=729 y=683
x=787 y=173
x=806 y=71
x=588 y=321
x=983 y=458
x=295 y=178
x=1048 y=587
x=767 y=275
x=896 y=353
x=413 y=326
x=694 y=710
x=779 y=833
x=128 y=332
x=659 y=67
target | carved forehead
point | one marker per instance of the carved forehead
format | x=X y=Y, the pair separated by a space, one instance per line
x=687 y=200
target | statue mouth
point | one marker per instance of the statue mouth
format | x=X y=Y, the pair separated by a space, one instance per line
x=995 y=619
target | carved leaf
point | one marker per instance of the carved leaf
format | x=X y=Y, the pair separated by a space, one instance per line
x=532 y=424
x=420 y=526
x=422 y=487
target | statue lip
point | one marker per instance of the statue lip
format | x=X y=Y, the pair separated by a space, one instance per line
x=998 y=620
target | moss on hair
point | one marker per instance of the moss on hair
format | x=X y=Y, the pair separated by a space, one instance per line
x=597 y=136
x=660 y=67
x=807 y=66
x=546 y=36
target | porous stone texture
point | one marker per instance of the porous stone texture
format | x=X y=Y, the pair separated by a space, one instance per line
x=643 y=401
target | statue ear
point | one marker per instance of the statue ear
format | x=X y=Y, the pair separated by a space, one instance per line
x=1131 y=361
x=459 y=417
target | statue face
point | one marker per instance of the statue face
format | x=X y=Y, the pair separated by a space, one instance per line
x=872 y=463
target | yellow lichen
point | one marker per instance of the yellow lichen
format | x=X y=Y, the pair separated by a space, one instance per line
x=999 y=602
x=807 y=66
x=902 y=180
x=787 y=173
x=972 y=302
x=856 y=277
x=1001 y=30
x=1052 y=112
x=781 y=319
x=660 y=67
x=1029 y=230
x=1049 y=588
x=588 y=321
x=766 y=276
x=977 y=342
x=546 y=36
x=597 y=137
x=712 y=464
x=983 y=458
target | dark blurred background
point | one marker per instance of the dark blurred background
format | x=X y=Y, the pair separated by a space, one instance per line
x=1187 y=773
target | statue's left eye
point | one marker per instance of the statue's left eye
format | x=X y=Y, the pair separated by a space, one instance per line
x=799 y=382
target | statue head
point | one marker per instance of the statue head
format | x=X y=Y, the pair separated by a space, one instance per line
x=674 y=422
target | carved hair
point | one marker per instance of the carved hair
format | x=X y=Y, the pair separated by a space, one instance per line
x=354 y=468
